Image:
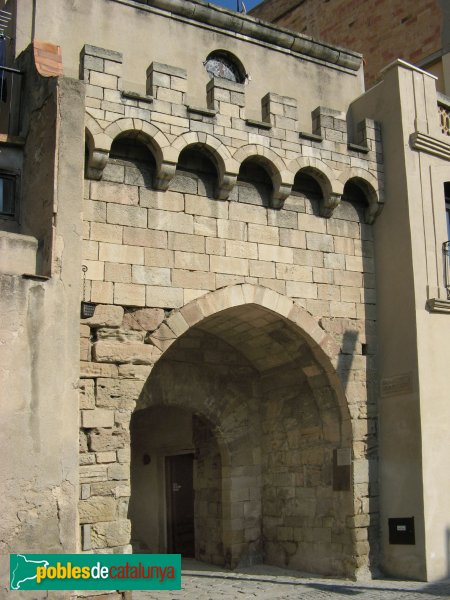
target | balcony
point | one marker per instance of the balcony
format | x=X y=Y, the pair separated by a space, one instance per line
x=10 y=101
x=444 y=113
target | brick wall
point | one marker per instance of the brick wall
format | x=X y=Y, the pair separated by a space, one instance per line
x=382 y=30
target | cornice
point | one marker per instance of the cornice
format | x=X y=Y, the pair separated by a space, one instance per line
x=431 y=145
x=245 y=25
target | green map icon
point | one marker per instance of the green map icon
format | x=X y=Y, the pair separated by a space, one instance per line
x=23 y=569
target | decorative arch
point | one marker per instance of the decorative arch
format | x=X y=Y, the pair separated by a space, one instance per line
x=330 y=185
x=227 y=168
x=154 y=139
x=370 y=186
x=99 y=145
x=100 y=142
x=282 y=177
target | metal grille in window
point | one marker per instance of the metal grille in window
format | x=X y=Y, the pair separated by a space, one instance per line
x=444 y=117
x=220 y=65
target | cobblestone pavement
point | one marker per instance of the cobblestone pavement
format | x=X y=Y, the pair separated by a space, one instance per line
x=203 y=582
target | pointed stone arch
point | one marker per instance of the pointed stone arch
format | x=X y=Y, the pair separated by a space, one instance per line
x=330 y=185
x=370 y=186
x=318 y=354
x=324 y=349
x=282 y=177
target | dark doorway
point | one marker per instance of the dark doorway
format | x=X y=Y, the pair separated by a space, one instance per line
x=180 y=504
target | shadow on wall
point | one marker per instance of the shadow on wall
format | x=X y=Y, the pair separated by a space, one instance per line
x=447 y=545
x=358 y=354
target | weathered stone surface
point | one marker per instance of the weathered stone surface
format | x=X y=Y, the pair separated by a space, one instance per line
x=140 y=372
x=105 y=316
x=119 y=471
x=106 y=457
x=98 y=417
x=107 y=439
x=124 y=455
x=144 y=319
x=87 y=459
x=83 y=442
x=91 y=473
x=87 y=393
x=111 y=534
x=97 y=509
x=118 y=393
x=92 y=369
x=104 y=488
x=116 y=352
x=120 y=335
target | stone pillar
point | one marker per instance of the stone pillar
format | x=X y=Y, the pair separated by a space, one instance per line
x=281 y=111
x=368 y=134
x=167 y=83
x=226 y=97
x=330 y=124
x=101 y=69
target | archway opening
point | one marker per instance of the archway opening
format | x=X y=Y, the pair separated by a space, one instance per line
x=354 y=202
x=130 y=161
x=306 y=190
x=196 y=172
x=265 y=426
x=254 y=184
x=176 y=471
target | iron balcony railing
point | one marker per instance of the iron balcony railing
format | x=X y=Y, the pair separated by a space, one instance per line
x=446 y=252
x=10 y=100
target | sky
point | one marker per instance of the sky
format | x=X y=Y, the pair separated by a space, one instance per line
x=232 y=3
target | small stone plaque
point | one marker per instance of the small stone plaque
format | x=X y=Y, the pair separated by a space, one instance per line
x=341 y=473
x=344 y=457
x=394 y=386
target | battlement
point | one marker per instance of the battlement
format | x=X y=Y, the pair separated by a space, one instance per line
x=168 y=124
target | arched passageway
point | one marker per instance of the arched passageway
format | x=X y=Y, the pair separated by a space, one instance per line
x=243 y=393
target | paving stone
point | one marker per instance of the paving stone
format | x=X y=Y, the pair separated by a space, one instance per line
x=206 y=582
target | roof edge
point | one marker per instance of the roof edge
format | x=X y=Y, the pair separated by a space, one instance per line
x=205 y=12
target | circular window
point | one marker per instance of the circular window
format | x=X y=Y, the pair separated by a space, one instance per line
x=224 y=65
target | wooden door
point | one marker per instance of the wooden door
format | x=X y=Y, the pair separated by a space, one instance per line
x=180 y=504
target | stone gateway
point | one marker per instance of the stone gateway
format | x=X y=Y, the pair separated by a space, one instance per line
x=219 y=213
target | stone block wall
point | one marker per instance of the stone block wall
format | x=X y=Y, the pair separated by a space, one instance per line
x=208 y=494
x=161 y=231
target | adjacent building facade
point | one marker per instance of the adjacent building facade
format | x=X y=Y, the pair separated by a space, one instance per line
x=383 y=31
x=263 y=348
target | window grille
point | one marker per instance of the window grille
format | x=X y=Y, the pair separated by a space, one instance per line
x=444 y=113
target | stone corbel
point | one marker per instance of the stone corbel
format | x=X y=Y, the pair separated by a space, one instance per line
x=225 y=185
x=279 y=194
x=373 y=211
x=164 y=175
x=96 y=163
x=329 y=203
